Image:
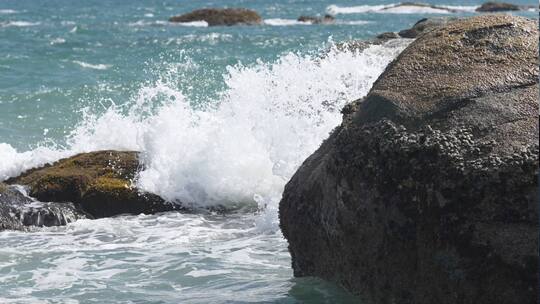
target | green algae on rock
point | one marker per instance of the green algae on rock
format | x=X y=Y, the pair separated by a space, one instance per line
x=100 y=183
x=428 y=191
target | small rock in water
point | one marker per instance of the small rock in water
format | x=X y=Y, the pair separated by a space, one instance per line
x=216 y=17
x=327 y=19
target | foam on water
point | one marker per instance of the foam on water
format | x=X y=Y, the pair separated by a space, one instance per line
x=240 y=149
x=284 y=22
x=397 y=8
x=7 y=11
x=18 y=24
x=92 y=66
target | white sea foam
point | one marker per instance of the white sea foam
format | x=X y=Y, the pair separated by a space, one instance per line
x=7 y=11
x=335 y=10
x=192 y=23
x=284 y=22
x=57 y=41
x=352 y=22
x=18 y=24
x=397 y=8
x=245 y=146
x=92 y=66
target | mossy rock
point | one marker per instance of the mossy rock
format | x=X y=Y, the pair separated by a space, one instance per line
x=101 y=183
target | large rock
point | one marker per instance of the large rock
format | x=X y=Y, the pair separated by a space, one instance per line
x=215 y=16
x=99 y=183
x=428 y=190
x=497 y=7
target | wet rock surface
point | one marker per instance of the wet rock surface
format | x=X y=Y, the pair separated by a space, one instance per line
x=220 y=17
x=20 y=212
x=98 y=183
x=428 y=191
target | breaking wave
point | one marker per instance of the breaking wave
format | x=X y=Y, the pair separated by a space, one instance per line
x=239 y=149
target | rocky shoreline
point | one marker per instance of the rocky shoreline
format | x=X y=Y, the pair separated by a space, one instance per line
x=244 y=16
x=428 y=190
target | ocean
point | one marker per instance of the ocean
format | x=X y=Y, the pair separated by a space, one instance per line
x=222 y=116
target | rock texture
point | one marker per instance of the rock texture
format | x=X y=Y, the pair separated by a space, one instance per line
x=216 y=17
x=98 y=183
x=497 y=7
x=327 y=19
x=428 y=191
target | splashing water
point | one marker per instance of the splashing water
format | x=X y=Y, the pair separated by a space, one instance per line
x=239 y=149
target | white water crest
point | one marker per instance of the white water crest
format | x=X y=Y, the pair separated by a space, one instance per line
x=7 y=11
x=201 y=23
x=398 y=8
x=18 y=24
x=240 y=149
x=92 y=66
x=284 y=22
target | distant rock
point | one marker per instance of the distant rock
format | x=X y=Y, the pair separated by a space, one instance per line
x=327 y=19
x=428 y=190
x=425 y=25
x=216 y=17
x=498 y=7
x=99 y=183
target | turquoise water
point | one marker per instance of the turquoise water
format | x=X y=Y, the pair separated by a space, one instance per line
x=223 y=115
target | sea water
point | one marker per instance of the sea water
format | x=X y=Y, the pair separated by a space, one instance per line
x=222 y=116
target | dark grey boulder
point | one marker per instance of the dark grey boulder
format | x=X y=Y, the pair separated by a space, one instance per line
x=326 y=19
x=217 y=16
x=498 y=7
x=428 y=190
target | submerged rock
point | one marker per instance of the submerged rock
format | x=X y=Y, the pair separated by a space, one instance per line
x=498 y=7
x=425 y=25
x=215 y=16
x=327 y=19
x=18 y=211
x=99 y=183
x=428 y=191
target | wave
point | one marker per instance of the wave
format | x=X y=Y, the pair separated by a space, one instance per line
x=192 y=23
x=164 y=23
x=242 y=147
x=284 y=22
x=8 y=11
x=92 y=66
x=398 y=8
x=18 y=24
